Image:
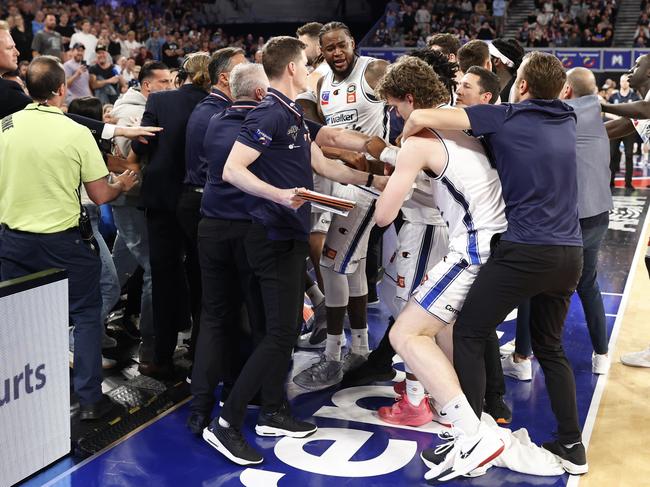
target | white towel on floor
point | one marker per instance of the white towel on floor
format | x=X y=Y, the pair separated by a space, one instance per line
x=521 y=454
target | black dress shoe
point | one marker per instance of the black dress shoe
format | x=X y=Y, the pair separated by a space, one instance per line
x=197 y=421
x=160 y=372
x=96 y=410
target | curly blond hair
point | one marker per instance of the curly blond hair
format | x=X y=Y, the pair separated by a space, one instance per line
x=412 y=76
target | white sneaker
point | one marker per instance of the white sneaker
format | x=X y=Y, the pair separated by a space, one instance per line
x=637 y=359
x=600 y=364
x=462 y=454
x=517 y=370
x=507 y=348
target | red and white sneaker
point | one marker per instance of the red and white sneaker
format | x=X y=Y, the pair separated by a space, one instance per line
x=402 y=412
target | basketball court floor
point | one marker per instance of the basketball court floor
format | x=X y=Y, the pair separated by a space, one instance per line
x=352 y=446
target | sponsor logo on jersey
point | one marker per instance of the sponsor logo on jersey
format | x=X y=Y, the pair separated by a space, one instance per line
x=335 y=92
x=343 y=231
x=406 y=255
x=352 y=88
x=352 y=98
x=344 y=117
x=453 y=310
x=263 y=138
x=325 y=98
x=401 y=282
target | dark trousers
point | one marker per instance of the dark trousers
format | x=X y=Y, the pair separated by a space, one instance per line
x=546 y=274
x=615 y=157
x=26 y=253
x=188 y=212
x=373 y=258
x=169 y=281
x=279 y=265
x=593 y=231
x=228 y=282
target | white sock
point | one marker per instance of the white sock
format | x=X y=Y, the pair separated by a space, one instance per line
x=360 y=341
x=414 y=391
x=315 y=295
x=333 y=347
x=459 y=413
x=223 y=423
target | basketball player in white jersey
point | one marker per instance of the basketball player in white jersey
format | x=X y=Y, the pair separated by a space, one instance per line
x=345 y=99
x=468 y=193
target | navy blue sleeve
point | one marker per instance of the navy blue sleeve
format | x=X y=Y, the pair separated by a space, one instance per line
x=149 y=119
x=313 y=128
x=96 y=128
x=262 y=124
x=486 y=119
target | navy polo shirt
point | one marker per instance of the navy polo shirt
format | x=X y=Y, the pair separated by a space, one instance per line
x=533 y=144
x=277 y=129
x=221 y=199
x=195 y=161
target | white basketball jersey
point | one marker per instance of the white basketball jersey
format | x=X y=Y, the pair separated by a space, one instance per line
x=468 y=195
x=418 y=209
x=351 y=103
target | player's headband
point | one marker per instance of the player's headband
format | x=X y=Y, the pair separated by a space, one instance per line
x=494 y=51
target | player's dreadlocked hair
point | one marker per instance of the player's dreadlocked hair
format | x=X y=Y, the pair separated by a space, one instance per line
x=445 y=69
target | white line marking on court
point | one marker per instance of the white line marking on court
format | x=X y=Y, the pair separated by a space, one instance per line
x=611 y=314
x=590 y=421
x=113 y=445
x=611 y=294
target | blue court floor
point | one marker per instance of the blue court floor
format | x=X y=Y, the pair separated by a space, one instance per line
x=352 y=447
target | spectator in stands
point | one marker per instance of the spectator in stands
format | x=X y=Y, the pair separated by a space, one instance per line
x=499 y=15
x=143 y=56
x=130 y=46
x=104 y=79
x=171 y=51
x=86 y=38
x=48 y=41
x=43 y=232
x=77 y=76
x=154 y=45
x=486 y=32
x=23 y=38
x=65 y=29
x=423 y=18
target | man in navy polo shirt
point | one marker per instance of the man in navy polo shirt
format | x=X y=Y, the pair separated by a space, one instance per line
x=189 y=203
x=275 y=143
x=533 y=143
x=226 y=275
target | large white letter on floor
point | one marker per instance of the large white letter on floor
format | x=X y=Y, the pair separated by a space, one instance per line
x=336 y=461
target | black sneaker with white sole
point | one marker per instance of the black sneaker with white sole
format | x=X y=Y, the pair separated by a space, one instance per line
x=231 y=444
x=574 y=459
x=282 y=423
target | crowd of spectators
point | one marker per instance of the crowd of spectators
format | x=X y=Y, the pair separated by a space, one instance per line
x=409 y=24
x=642 y=33
x=104 y=47
x=569 y=23
x=554 y=23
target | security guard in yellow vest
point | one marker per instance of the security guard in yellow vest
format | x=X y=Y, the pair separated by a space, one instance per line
x=44 y=158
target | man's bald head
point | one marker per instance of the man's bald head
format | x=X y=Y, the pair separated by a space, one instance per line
x=582 y=82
